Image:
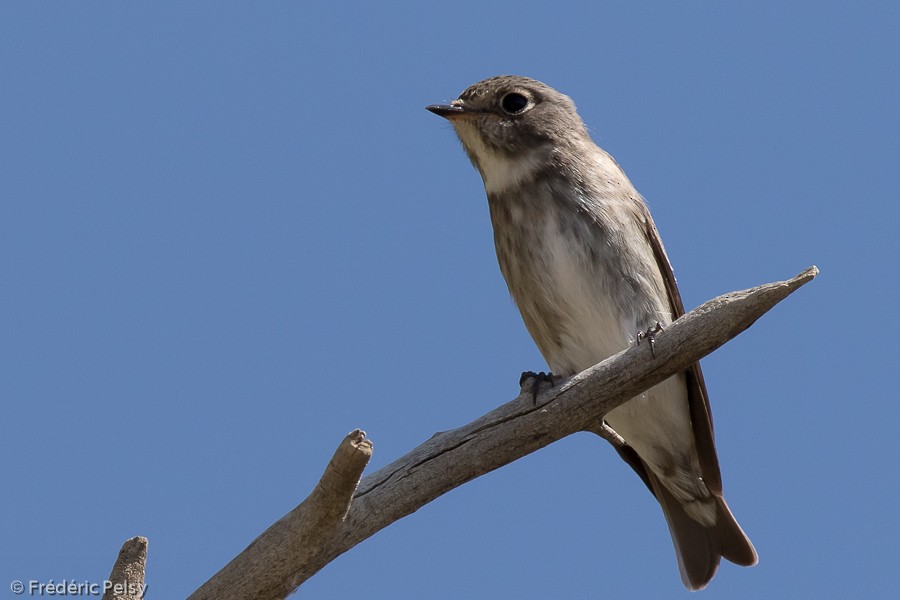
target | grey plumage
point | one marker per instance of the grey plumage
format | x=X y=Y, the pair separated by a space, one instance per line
x=587 y=270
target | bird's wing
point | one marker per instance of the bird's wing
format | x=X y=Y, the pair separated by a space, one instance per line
x=698 y=399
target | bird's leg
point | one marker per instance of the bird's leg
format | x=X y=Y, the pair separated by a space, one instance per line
x=536 y=380
x=650 y=336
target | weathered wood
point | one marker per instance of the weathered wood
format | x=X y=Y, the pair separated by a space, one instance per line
x=275 y=563
x=317 y=531
x=126 y=581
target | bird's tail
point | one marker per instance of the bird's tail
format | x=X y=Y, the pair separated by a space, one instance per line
x=698 y=547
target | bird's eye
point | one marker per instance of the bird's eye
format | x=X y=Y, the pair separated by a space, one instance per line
x=514 y=103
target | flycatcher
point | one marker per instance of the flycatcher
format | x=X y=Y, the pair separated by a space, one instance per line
x=588 y=272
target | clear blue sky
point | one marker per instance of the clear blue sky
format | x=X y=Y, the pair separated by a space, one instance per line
x=230 y=233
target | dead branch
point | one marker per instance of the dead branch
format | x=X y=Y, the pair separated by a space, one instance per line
x=126 y=581
x=321 y=528
x=274 y=564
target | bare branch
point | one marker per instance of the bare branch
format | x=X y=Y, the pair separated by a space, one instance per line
x=276 y=562
x=509 y=432
x=126 y=581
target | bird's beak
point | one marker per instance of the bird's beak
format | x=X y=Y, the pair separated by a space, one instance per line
x=448 y=111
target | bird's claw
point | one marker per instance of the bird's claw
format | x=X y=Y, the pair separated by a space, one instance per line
x=536 y=380
x=650 y=336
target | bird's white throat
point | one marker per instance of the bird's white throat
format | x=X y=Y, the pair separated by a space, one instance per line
x=499 y=171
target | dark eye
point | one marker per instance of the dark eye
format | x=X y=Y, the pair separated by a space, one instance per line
x=514 y=103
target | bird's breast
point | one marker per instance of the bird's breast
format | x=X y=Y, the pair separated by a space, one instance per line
x=568 y=279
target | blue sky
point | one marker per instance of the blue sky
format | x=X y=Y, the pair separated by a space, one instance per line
x=230 y=233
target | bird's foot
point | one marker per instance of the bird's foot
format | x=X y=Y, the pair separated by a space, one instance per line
x=650 y=336
x=536 y=380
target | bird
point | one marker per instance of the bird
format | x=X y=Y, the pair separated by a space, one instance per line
x=585 y=265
